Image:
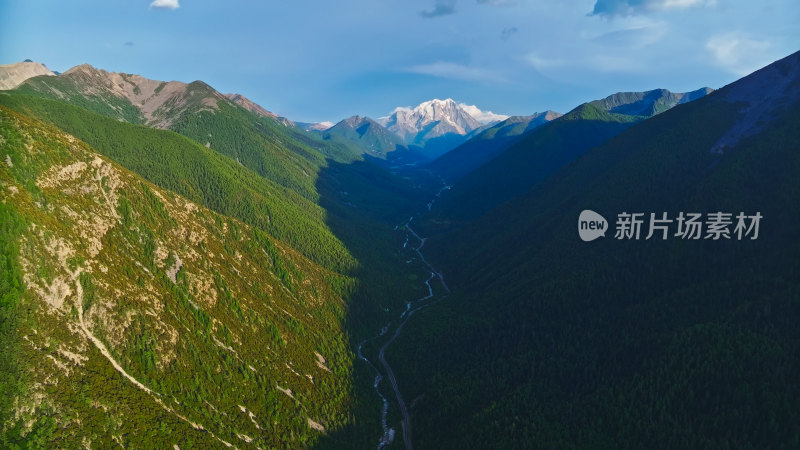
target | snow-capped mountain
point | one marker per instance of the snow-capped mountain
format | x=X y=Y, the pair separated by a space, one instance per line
x=436 y=118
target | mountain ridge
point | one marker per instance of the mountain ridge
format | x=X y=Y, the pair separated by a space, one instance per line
x=369 y=135
x=132 y=97
x=532 y=158
x=647 y=103
x=487 y=144
x=12 y=75
x=251 y=106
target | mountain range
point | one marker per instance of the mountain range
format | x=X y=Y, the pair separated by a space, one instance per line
x=648 y=103
x=533 y=156
x=487 y=144
x=547 y=341
x=184 y=268
x=432 y=128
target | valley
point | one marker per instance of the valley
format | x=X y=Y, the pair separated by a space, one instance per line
x=397 y=325
x=183 y=268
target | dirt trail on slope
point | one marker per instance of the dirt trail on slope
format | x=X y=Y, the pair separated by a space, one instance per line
x=104 y=351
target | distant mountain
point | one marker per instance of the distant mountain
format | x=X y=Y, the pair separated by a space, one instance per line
x=529 y=160
x=314 y=126
x=249 y=105
x=273 y=149
x=550 y=342
x=270 y=146
x=370 y=136
x=428 y=120
x=647 y=103
x=12 y=75
x=487 y=144
x=130 y=97
x=437 y=125
x=484 y=117
x=517 y=125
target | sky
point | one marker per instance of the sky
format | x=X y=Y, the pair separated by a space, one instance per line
x=318 y=61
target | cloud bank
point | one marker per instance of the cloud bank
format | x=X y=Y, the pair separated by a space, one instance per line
x=738 y=53
x=444 y=69
x=165 y=4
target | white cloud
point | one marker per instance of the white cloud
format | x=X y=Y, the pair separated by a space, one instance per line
x=455 y=71
x=165 y=4
x=541 y=63
x=596 y=61
x=635 y=37
x=738 y=53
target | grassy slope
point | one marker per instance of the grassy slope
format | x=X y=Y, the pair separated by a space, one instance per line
x=66 y=90
x=285 y=155
x=200 y=174
x=350 y=231
x=245 y=314
x=555 y=343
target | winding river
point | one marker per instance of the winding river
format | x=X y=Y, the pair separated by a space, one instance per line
x=412 y=306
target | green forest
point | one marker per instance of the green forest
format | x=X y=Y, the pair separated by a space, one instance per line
x=198 y=275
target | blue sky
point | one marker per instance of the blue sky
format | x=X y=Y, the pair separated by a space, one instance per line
x=326 y=60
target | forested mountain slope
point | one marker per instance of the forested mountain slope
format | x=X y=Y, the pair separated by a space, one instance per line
x=131 y=316
x=200 y=174
x=551 y=342
x=343 y=223
x=284 y=154
x=522 y=163
x=528 y=162
x=487 y=145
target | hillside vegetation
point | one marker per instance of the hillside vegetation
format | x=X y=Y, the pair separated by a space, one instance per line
x=551 y=342
x=147 y=320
